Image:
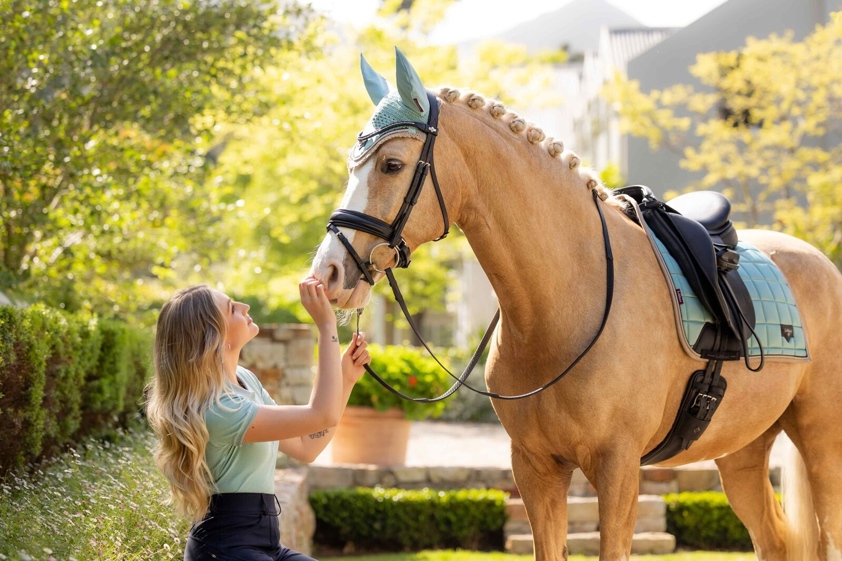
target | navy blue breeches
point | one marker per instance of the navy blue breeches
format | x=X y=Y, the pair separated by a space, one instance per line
x=240 y=527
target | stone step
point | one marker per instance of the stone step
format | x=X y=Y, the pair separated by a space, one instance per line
x=653 y=480
x=583 y=515
x=587 y=543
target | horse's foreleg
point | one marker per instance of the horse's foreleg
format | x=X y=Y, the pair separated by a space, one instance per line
x=543 y=483
x=616 y=477
x=745 y=480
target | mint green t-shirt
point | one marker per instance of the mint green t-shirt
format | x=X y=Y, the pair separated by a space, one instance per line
x=237 y=467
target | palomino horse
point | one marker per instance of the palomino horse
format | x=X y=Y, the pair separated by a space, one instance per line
x=525 y=205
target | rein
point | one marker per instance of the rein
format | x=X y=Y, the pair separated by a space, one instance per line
x=392 y=233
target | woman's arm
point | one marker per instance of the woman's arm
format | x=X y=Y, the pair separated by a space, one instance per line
x=327 y=400
x=306 y=448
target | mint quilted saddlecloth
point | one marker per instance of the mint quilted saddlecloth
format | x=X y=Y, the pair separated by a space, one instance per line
x=778 y=323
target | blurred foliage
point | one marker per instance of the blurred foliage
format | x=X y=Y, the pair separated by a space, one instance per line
x=762 y=125
x=142 y=150
x=705 y=520
x=63 y=376
x=105 y=499
x=107 y=110
x=289 y=167
x=611 y=176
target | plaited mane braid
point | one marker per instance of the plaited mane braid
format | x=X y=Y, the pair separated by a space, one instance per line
x=533 y=133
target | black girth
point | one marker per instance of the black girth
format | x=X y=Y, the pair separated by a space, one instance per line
x=392 y=234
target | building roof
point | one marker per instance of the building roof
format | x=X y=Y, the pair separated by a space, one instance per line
x=620 y=45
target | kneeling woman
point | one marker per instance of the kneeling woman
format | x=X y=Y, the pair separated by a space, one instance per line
x=218 y=430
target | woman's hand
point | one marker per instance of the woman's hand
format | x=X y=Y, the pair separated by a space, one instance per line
x=355 y=358
x=314 y=298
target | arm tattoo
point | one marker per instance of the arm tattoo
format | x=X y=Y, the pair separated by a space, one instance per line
x=319 y=434
x=334 y=339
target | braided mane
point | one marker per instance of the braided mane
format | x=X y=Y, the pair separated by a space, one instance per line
x=534 y=134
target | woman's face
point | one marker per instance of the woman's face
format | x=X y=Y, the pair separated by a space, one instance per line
x=241 y=328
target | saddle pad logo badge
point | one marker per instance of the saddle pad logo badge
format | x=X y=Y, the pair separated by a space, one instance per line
x=787 y=332
x=680 y=297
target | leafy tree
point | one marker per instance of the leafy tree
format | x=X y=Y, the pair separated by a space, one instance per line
x=144 y=149
x=107 y=110
x=289 y=167
x=766 y=125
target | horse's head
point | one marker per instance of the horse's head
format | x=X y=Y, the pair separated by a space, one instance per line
x=393 y=202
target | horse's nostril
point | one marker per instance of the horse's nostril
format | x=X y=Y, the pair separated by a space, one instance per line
x=333 y=275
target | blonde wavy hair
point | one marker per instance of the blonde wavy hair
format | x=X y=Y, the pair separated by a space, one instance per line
x=189 y=376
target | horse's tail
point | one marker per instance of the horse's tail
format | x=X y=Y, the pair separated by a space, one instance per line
x=802 y=538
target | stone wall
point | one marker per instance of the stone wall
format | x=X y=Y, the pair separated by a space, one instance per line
x=298 y=523
x=653 y=480
x=282 y=358
x=411 y=477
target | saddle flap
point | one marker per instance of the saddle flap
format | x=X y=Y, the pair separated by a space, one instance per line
x=690 y=244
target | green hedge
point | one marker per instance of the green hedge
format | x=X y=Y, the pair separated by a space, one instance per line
x=401 y=520
x=63 y=376
x=705 y=521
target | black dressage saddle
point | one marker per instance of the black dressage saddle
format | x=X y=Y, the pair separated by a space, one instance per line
x=697 y=231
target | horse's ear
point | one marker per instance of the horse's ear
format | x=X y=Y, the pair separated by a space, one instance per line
x=375 y=84
x=410 y=87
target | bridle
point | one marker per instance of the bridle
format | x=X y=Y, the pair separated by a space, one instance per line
x=393 y=233
x=393 y=236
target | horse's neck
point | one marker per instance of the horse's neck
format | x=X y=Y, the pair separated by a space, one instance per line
x=539 y=240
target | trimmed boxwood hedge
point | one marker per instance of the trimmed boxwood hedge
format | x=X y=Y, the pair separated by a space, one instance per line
x=63 y=376
x=705 y=520
x=403 y=520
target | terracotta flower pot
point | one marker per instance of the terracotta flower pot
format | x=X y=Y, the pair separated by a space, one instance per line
x=367 y=436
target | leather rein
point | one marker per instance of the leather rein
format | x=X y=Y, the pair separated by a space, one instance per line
x=393 y=236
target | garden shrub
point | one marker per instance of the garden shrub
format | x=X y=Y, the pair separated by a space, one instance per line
x=401 y=520
x=63 y=376
x=73 y=348
x=705 y=521
x=22 y=382
x=407 y=370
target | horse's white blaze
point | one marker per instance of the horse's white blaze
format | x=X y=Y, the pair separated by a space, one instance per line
x=331 y=250
x=356 y=196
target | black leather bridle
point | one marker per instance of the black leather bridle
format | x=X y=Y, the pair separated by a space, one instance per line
x=393 y=236
x=393 y=233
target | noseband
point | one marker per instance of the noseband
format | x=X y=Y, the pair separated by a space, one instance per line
x=393 y=233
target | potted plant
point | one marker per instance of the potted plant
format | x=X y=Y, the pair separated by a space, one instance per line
x=375 y=426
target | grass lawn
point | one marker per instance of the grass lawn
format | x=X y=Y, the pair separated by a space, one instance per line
x=483 y=556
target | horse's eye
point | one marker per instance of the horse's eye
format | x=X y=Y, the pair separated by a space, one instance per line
x=391 y=166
